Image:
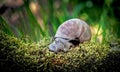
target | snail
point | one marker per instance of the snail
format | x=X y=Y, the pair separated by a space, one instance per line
x=70 y=34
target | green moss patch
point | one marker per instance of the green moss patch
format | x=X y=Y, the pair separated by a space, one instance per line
x=16 y=55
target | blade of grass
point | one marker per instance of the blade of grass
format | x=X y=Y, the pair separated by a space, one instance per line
x=5 y=26
x=35 y=26
x=103 y=23
x=77 y=9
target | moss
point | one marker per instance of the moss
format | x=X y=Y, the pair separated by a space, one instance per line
x=16 y=55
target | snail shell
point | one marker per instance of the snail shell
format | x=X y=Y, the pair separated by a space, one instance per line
x=69 y=34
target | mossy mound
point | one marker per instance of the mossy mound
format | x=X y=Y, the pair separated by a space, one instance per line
x=16 y=55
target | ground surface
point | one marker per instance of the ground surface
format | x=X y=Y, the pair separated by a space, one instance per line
x=16 y=55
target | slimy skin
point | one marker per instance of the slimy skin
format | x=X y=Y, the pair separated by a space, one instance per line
x=69 y=34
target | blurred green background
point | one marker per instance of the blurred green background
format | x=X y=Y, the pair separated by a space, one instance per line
x=37 y=19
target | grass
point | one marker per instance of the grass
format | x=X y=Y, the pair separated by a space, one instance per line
x=5 y=27
x=36 y=56
x=52 y=16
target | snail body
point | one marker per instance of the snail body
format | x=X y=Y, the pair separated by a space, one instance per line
x=70 y=34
